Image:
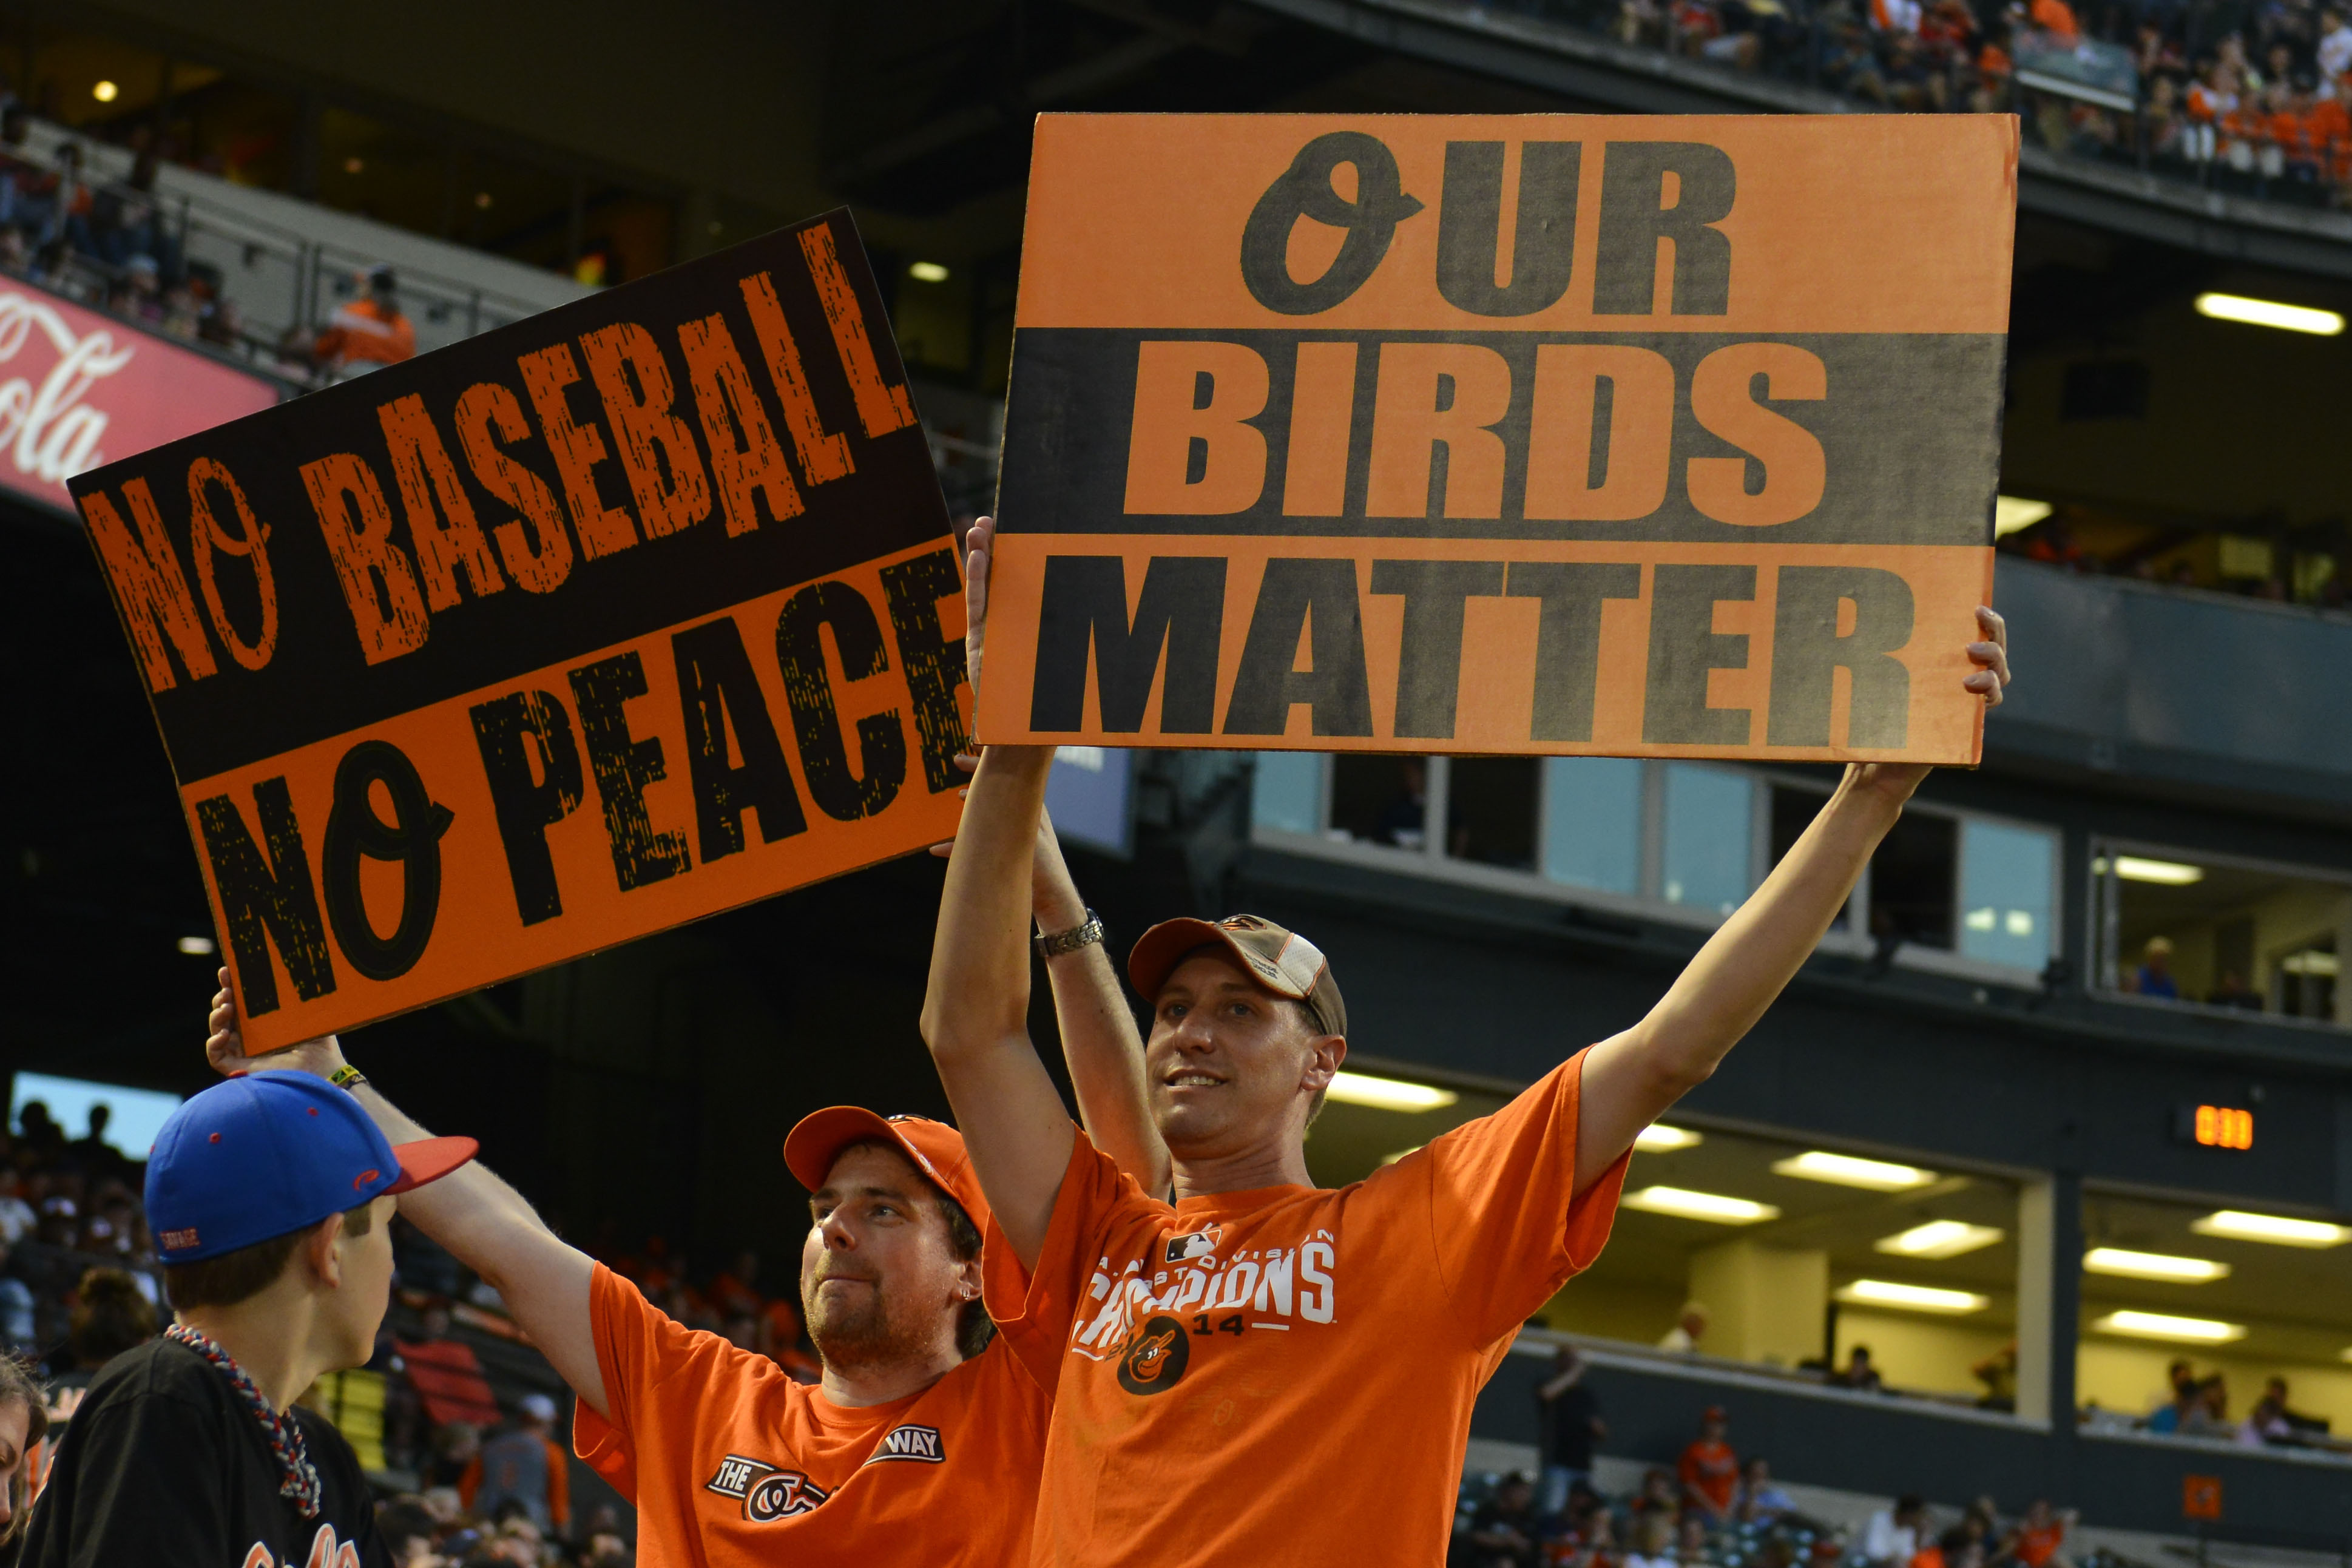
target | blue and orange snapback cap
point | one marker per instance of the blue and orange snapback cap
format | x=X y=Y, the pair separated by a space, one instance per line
x=270 y=1153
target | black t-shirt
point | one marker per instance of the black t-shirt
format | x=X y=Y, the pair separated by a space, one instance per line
x=1565 y=1427
x=163 y=1466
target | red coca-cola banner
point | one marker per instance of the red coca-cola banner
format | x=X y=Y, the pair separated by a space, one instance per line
x=78 y=389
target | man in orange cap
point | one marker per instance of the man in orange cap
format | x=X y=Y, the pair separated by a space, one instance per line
x=1227 y=1375
x=924 y=1440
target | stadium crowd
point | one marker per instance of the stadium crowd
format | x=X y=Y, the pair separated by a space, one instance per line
x=1716 y=1509
x=2250 y=100
x=110 y=245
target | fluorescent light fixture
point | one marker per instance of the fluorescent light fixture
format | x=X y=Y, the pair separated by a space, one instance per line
x=1388 y=1093
x=2270 y=313
x=928 y=272
x=2012 y=514
x=2278 y=1230
x=2165 y=1326
x=1846 y=1171
x=2311 y=961
x=2140 y=869
x=1938 y=1239
x=1715 y=1207
x=1912 y=1298
x=198 y=946
x=1658 y=1138
x=104 y=91
x=2153 y=1266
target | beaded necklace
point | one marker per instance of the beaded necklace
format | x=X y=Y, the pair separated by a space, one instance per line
x=298 y=1477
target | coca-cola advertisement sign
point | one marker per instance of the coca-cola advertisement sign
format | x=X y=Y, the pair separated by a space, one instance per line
x=78 y=389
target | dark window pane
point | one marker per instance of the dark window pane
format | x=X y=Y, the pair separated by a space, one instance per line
x=1793 y=811
x=1911 y=880
x=1490 y=810
x=1379 y=800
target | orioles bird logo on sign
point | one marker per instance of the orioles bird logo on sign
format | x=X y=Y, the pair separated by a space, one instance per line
x=1154 y=1360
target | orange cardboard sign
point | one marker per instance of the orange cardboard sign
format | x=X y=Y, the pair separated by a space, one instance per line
x=1646 y=436
x=628 y=613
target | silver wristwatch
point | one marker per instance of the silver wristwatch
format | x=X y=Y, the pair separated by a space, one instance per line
x=1053 y=944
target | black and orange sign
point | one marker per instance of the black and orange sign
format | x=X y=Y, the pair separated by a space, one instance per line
x=628 y=613
x=1644 y=436
x=2200 y=1496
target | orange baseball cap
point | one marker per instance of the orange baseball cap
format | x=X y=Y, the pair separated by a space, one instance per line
x=934 y=1148
x=1281 y=961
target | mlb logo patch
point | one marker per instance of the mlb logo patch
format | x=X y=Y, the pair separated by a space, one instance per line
x=1200 y=1244
x=178 y=1240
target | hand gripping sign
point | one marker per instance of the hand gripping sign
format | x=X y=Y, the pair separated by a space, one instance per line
x=631 y=612
x=1544 y=434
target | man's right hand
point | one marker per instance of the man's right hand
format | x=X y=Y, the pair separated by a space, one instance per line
x=225 y=1048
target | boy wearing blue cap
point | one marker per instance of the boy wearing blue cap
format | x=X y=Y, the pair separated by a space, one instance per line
x=271 y=1198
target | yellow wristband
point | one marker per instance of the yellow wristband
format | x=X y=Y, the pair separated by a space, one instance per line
x=347 y=1077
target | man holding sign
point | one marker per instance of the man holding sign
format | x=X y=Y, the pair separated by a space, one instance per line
x=1228 y=1376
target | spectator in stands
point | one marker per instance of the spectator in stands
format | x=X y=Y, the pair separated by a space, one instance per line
x=368 y=333
x=1403 y=820
x=110 y=1315
x=2038 y=1535
x=1893 y=1534
x=2233 y=991
x=16 y=1216
x=1955 y=1548
x=2154 y=976
x=1652 y=1542
x=1709 y=1469
x=1997 y=1372
x=456 y=1450
x=523 y=1467
x=1691 y=1549
x=1857 y=1372
x=1690 y=1328
x=19 y=1311
x=24 y=1424
x=2266 y=1423
x=1761 y=1499
x=1568 y=1424
x=1503 y=1530
x=2183 y=1406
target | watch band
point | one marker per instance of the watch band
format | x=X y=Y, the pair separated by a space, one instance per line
x=1055 y=943
x=347 y=1077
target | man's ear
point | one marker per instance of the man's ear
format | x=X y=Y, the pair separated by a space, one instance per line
x=1324 y=1053
x=968 y=1279
x=322 y=1252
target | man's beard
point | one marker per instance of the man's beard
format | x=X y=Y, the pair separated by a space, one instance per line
x=858 y=1332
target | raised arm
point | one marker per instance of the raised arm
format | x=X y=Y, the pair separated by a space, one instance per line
x=976 y=1013
x=1099 y=1040
x=1631 y=1079
x=485 y=1223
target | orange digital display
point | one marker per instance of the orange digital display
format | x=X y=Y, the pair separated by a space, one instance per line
x=2224 y=1127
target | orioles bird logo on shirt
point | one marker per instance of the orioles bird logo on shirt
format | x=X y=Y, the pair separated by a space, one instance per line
x=1154 y=1360
x=767 y=1492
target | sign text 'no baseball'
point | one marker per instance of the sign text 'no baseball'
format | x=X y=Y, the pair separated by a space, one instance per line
x=637 y=610
x=1642 y=436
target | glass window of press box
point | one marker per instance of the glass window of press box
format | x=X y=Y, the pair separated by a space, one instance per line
x=2214 y=1321
x=1953 y=891
x=1773 y=1252
x=2179 y=929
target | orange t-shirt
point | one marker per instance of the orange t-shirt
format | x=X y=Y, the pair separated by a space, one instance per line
x=2035 y=1547
x=1712 y=1470
x=1285 y=1374
x=731 y=1463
